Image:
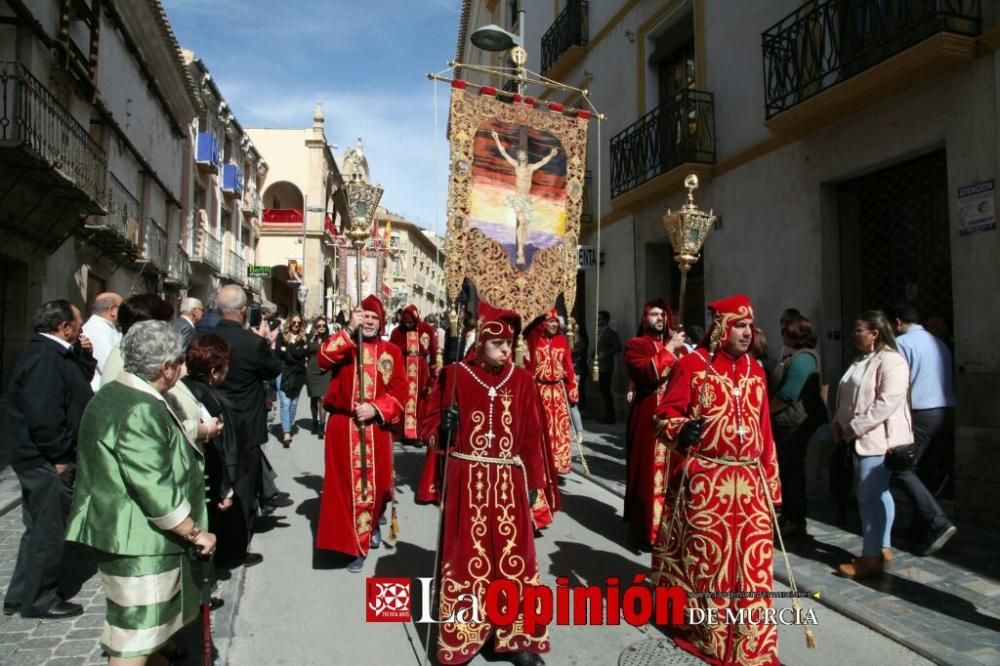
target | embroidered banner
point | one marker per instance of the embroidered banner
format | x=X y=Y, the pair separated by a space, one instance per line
x=517 y=178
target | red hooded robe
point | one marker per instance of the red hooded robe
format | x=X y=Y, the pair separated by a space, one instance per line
x=716 y=534
x=347 y=516
x=495 y=458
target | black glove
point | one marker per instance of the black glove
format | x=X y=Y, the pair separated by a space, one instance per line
x=690 y=434
x=533 y=496
x=449 y=426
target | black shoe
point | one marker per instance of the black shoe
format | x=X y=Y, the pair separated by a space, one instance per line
x=279 y=501
x=524 y=659
x=10 y=609
x=560 y=480
x=937 y=539
x=252 y=560
x=216 y=603
x=61 y=610
x=315 y=428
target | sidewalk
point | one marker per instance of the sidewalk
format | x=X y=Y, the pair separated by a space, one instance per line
x=946 y=607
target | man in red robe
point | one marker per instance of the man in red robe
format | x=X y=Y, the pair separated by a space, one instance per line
x=418 y=343
x=716 y=533
x=357 y=485
x=494 y=460
x=649 y=358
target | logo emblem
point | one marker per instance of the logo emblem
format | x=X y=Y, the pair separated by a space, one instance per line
x=388 y=599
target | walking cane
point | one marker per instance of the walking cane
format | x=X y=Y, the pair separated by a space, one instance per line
x=202 y=570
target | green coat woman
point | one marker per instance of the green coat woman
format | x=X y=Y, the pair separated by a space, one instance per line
x=140 y=499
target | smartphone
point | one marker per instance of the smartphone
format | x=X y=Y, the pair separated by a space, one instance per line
x=255 y=317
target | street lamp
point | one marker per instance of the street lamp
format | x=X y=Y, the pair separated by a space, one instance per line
x=493 y=38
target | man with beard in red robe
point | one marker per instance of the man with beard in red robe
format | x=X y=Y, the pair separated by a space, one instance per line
x=494 y=460
x=349 y=510
x=418 y=343
x=716 y=534
x=649 y=358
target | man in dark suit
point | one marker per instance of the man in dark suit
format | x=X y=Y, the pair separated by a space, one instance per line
x=191 y=312
x=250 y=365
x=609 y=346
x=49 y=389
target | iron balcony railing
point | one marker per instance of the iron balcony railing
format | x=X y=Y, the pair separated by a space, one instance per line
x=155 y=250
x=236 y=268
x=569 y=29
x=679 y=132
x=253 y=282
x=123 y=211
x=180 y=266
x=211 y=249
x=824 y=43
x=33 y=120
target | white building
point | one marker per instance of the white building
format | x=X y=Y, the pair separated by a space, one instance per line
x=843 y=145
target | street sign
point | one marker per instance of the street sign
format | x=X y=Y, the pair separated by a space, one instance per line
x=587 y=258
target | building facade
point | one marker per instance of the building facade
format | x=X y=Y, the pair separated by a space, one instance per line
x=222 y=218
x=849 y=149
x=95 y=106
x=414 y=268
x=303 y=204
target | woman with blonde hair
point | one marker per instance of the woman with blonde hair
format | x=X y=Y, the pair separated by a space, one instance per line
x=292 y=347
x=873 y=413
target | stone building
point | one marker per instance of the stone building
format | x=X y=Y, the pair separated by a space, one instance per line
x=415 y=266
x=222 y=218
x=95 y=109
x=303 y=203
x=849 y=148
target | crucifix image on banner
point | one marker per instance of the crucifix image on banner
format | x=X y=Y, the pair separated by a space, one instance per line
x=515 y=198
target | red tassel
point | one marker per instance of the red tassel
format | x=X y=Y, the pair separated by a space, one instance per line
x=530 y=101
x=555 y=106
x=517 y=98
x=487 y=90
x=583 y=115
x=459 y=83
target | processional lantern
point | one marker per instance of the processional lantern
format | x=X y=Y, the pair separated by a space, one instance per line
x=687 y=229
x=362 y=202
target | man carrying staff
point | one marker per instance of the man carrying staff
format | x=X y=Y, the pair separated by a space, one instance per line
x=649 y=358
x=495 y=459
x=357 y=485
x=716 y=533
x=418 y=343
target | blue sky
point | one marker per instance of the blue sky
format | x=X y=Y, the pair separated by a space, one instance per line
x=366 y=60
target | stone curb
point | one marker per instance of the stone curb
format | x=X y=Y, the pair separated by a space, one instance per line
x=833 y=601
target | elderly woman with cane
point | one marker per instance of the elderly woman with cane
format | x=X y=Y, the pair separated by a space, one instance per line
x=140 y=501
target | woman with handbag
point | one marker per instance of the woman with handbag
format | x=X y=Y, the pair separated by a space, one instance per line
x=292 y=348
x=872 y=411
x=317 y=379
x=797 y=409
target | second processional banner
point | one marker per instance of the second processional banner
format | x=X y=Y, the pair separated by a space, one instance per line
x=516 y=194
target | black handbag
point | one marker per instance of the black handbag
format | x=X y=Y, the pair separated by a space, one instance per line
x=902 y=458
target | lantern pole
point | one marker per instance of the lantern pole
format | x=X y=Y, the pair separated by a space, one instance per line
x=687 y=229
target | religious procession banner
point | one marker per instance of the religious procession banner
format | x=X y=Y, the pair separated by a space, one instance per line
x=516 y=194
x=371 y=275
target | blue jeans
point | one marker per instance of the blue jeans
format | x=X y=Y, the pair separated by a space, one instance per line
x=871 y=478
x=289 y=406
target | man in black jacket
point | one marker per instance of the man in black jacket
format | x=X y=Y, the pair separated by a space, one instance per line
x=250 y=365
x=49 y=389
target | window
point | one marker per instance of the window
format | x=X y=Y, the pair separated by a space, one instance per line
x=512 y=13
x=674 y=58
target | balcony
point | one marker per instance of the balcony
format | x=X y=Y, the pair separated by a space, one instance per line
x=51 y=169
x=253 y=283
x=179 y=270
x=652 y=156
x=118 y=232
x=236 y=268
x=283 y=216
x=564 y=43
x=232 y=181
x=251 y=203
x=207 y=249
x=207 y=153
x=154 y=250
x=833 y=58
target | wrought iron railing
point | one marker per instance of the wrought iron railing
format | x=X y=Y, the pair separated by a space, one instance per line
x=211 y=249
x=180 y=266
x=569 y=29
x=123 y=211
x=155 y=250
x=681 y=131
x=236 y=268
x=253 y=283
x=824 y=43
x=32 y=119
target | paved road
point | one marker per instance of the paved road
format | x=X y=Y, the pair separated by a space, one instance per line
x=300 y=608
